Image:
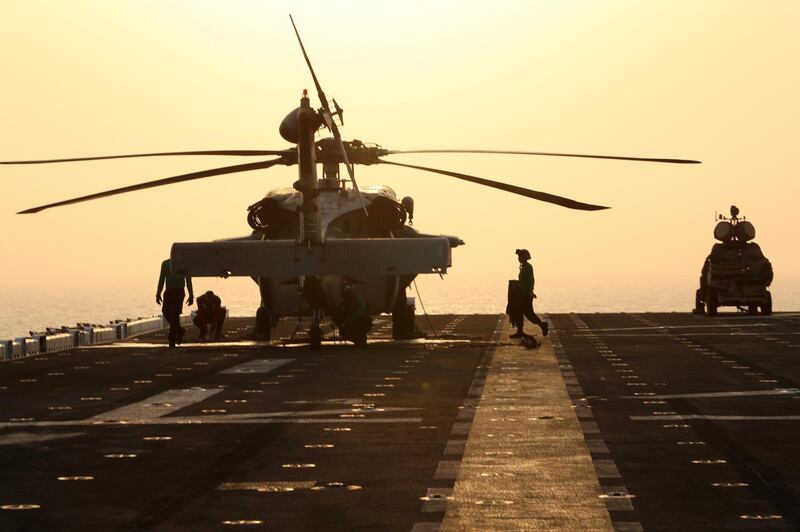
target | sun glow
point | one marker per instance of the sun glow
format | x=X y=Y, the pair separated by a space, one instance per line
x=630 y=78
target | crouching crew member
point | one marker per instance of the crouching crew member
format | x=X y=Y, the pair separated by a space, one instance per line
x=173 y=299
x=210 y=312
x=526 y=295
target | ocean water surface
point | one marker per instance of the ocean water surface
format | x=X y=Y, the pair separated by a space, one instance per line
x=33 y=309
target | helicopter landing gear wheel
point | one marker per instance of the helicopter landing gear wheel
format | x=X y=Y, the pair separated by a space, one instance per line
x=315 y=334
x=315 y=337
x=360 y=338
x=403 y=326
x=263 y=329
x=713 y=302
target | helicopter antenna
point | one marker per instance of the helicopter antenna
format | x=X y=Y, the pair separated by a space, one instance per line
x=327 y=116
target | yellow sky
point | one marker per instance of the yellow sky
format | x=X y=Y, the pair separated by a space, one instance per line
x=711 y=80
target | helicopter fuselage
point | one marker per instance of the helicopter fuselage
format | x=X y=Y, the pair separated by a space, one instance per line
x=279 y=216
x=318 y=210
x=311 y=239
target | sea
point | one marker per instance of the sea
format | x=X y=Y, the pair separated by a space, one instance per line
x=34 y=309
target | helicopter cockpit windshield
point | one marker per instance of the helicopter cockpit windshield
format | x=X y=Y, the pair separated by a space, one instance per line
x=385 y=219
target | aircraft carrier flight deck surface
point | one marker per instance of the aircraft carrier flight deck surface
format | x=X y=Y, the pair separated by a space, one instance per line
x=665 y=421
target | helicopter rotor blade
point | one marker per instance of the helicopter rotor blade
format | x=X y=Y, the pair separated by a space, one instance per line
x=320 y=92
x=161 y=182
x=534 y=194
x=330 y=123
x=551 y=154
x=240 y=153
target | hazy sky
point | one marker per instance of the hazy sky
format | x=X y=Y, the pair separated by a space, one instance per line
x=717 y=81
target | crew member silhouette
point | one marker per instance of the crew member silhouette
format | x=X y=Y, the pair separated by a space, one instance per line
x=210 y=312
x=526 y=295
x=173 y=299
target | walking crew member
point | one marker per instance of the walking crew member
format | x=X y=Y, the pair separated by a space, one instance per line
x=210 y=312
x=173 y=300
x=526 y=295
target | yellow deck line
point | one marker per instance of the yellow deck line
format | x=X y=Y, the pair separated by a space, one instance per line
x=521 y=472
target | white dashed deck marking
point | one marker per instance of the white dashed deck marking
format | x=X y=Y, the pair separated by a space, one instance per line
x=681 y=417
x=711 y=395
x=158 y=405
x=257 y=366
x=211 y=420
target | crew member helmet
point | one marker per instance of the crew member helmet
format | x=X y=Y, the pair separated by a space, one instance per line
x=524 y=254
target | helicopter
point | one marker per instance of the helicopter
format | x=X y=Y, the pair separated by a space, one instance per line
x=310 y=241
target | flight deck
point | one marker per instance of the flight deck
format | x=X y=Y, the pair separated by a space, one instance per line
x=665 y=421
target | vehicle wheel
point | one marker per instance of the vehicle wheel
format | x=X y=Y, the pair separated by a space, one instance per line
x=699 y=307
x=752 y=310
x=316 y=337
x=713 y=302
x=766 y=308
